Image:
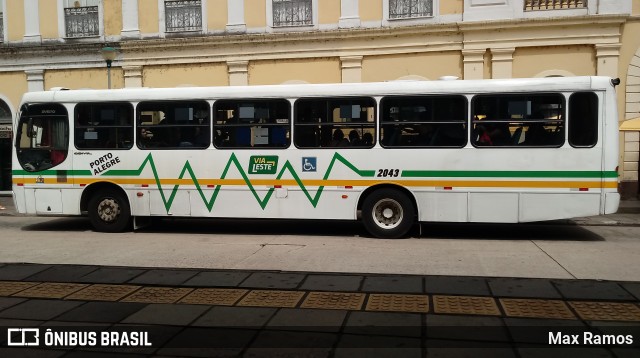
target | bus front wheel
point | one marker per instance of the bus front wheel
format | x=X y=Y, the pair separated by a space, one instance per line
x=388 y=214
x=109 y=211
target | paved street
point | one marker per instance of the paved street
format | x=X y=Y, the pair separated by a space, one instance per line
x=202 y=288
x=606 y=248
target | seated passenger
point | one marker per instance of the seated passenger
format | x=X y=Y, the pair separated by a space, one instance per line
x=338 y=139
x=354 y=138
x=367 y=139
x=202 y=138
x=483 y=137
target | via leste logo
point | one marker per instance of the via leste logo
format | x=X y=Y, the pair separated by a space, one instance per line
x=263 y=164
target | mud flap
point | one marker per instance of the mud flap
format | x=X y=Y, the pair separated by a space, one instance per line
x=140 y=222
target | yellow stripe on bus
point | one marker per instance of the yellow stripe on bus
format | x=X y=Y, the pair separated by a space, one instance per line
x=356 y=183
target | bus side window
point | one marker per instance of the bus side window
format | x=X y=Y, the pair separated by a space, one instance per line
x=104 y=125
x=332 y=122
x=424 y=121
x=174 y=124
x=249 y=123
x=507 y=120
x=583 y=119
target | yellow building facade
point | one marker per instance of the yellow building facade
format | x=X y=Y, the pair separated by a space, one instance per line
x=167 y=43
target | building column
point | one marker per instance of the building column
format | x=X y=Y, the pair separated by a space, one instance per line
x=607 y=56
x=132 y=76
x=502 y=62
x=630 y=160
x=235 y=16
x=35 y=80
x=351 y=69
x=349 y=14
x=130 y=25
x=31 y=21
x=238 y=73
x=473 y=61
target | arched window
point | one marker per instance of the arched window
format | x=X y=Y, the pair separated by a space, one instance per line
x=5 y=112
x=554 y=73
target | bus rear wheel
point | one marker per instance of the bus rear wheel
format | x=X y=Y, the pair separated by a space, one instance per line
x=109 y=211
x=388 y=214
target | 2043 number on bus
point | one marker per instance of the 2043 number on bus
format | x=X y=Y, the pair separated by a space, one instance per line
x=388 y=173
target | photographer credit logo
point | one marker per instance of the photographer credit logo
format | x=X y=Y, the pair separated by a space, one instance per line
x=56 y=337
x=23 y=337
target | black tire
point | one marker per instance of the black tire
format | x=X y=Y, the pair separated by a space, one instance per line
x=109 y=211
x=388 y=213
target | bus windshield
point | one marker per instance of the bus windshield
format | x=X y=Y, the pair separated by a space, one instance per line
x=42 y=141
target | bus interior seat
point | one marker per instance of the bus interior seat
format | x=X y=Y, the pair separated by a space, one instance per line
x=517 y=134
x=243 y=137
x=278 y=137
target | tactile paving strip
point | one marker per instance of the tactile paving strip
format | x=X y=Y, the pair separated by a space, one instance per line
x=8 y=288
x=398 y=303
x=263 y=298
x=334 y=301
x=606 y=311
x=536 y=308
x=157 y=295
x=214 y=296
x=51 y=290
x=103 y=292
x=465 y=305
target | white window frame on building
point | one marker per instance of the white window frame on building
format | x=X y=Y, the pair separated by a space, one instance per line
x=86 y=9
x=190 y=26
x=309 y=23
x=390 y=19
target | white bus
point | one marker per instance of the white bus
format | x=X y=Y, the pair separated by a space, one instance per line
x=389 y=154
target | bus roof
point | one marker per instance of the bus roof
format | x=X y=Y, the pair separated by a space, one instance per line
x=554 y=84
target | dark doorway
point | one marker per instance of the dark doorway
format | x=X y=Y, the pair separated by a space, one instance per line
x=5 y=147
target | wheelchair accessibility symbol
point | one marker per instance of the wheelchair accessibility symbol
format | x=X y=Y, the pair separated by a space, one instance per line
x=309 y=164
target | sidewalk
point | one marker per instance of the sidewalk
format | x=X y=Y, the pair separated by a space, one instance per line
x=6 y=201
x=195 y=313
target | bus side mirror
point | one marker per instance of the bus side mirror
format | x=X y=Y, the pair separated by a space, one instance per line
x=615 y=81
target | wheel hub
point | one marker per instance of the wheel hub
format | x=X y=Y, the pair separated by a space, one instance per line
x=108 y=210
x=387 y=213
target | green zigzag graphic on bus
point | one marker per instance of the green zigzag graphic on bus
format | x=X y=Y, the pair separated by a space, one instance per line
x=234 y=160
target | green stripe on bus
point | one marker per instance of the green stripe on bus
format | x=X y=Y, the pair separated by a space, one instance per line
x=233 y=160
x=76 y=173
x=506 y=174
x=168 y=200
